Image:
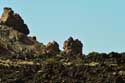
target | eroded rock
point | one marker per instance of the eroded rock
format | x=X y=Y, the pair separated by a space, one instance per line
x=73 y=47
x=14 y=20
x=52 y=48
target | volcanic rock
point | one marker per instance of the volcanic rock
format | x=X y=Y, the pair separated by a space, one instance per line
x=25 y=60
x=73 y=47
x=52 y=48
x=14 y=20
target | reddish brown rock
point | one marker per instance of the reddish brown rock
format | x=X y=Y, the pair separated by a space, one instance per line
x=52 y=48
x=73 y=47
x=14 y=20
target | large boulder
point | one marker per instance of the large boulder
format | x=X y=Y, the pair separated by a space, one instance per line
x=52 y=48
x=13 y=20
x=73 y=47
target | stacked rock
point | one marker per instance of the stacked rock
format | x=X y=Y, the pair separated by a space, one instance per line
x=52 y=48
x=14 y=20
x=73 y=47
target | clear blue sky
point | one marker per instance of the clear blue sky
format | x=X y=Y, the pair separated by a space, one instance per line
x=99 y=24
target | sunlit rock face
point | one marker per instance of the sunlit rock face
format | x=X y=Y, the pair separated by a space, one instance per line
x=23 y=59
x=13 y=20
x=52 y=48
x=14 y=37
x=73 y=47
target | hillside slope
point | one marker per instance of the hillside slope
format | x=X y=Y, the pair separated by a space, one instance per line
x=23 y=59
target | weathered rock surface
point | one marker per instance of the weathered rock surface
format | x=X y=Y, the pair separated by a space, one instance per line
x=52 y=48
x=13 y=20
x=13 y=42
x=56 y=72
x=25 y=60
x=73 y=47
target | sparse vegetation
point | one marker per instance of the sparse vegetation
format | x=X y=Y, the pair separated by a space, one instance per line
x=25 y=60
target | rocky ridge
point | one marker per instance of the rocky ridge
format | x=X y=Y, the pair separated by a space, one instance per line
x=15 y=40
x=23 y=59
x=14 y=20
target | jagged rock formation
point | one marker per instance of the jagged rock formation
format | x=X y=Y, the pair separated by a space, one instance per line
x=25 y=60
x=73 y=47
x=13 y=20
x=52 y=48
x=13 y=36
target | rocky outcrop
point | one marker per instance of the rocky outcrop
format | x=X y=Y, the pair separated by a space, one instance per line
x=73 y=47
x=13 y=20
x=14 y=32
x=52 y=48
x=3 y=50
x=25 y=60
